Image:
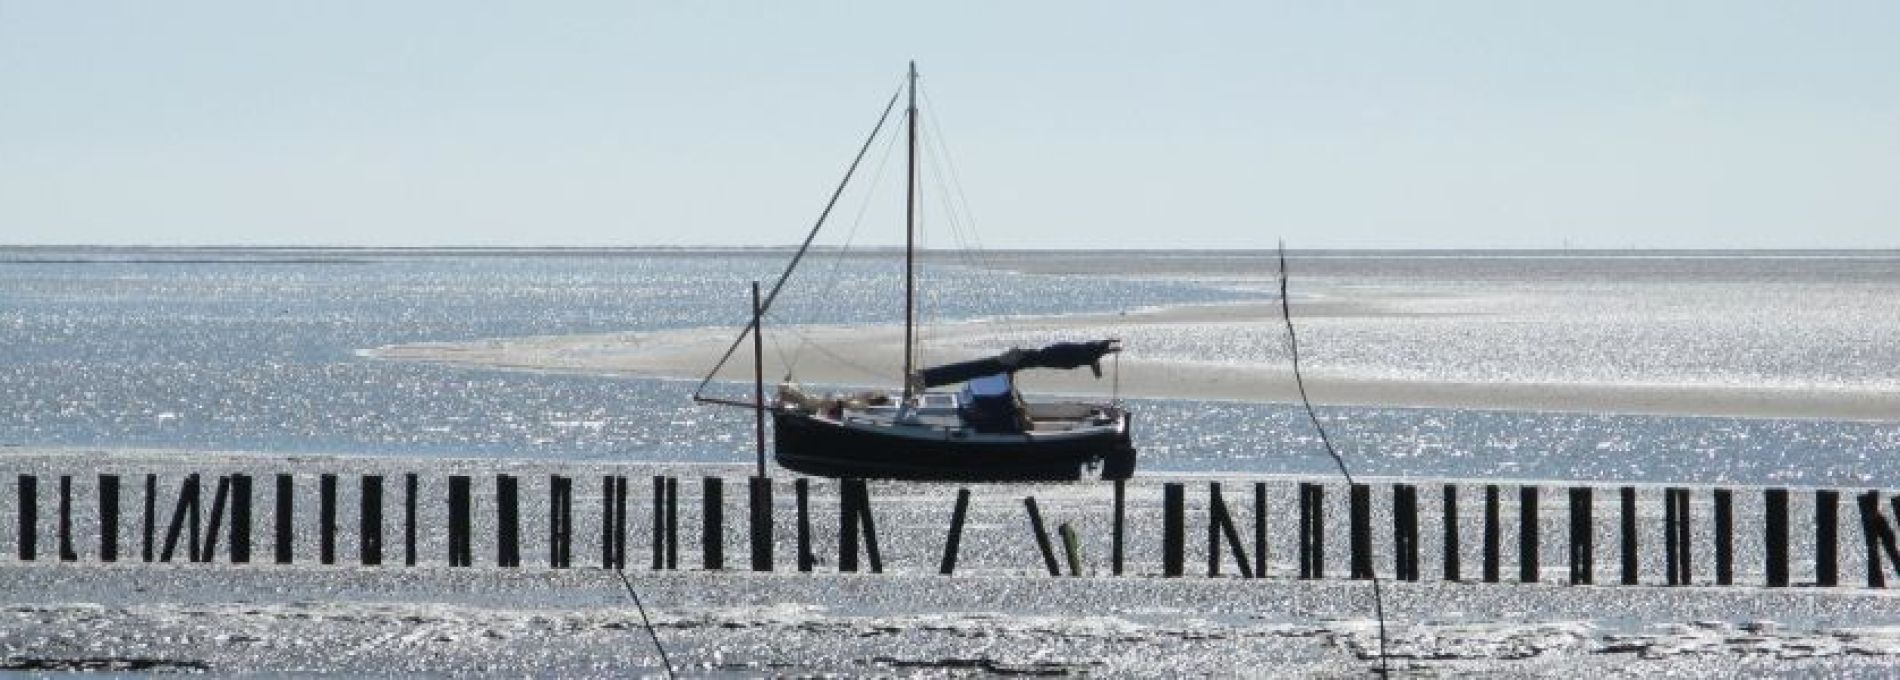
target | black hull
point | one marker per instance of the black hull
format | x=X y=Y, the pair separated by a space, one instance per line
x=825 y=448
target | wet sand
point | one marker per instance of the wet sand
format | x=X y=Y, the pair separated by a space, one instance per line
x=867 y=356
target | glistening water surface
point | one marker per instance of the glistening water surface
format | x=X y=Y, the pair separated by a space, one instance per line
x=242 y=349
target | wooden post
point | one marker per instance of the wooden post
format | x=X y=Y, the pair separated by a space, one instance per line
x=1684 y=534
x=801 y=488
x=758 y=376
x=1582 y=536
x=194 y=521
x=1071 y=547
x=29 y=488
x=207 y=551
x=560 y=521
x=1221 y=524
x=712 y=532
x=369 y=520
x=1682 y=538
x=1115 y=545
x=240 y=519
x=66 y=552
x=108 y=518
x=607 y=522
x=1492 y=534
x=1215 y=512
x=1360 y=506
x=1527 y=530
x=952 y=542
x=659 y=522
x=1628 y=497
x=285 y=519
x=1879 y=536
x=1827 y=513
x=620 y=522
x=185 y=511
x=847 y=526
x=1260 y=529
x=1405 y=531
x=461 y=552
x=870 y=526
x=759 y=490
x=672 y=523
x=1042 y=536
x=326 y=511
x=151 y=517
x=1775 y=535
x=1312 y=531
x=1672 y=524
x=409 y=500
x=1724 y=537
x=507 y=521
x=1451 y=562
x=1173 y=529
x=1869 y=505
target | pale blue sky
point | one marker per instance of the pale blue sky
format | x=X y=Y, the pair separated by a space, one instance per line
x=1071 y=124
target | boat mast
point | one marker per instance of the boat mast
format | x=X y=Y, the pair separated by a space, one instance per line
x=910 y=236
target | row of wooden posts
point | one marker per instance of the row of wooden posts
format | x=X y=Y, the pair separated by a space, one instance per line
x=231 y=507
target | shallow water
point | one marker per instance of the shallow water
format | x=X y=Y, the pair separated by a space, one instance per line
x=243 y=349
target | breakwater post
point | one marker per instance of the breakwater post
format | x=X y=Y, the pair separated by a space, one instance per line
x=1173 y=529
x=1360 y=524
x=1451 y=563
x=802 y=489
x=1491 y=533
x=1627 y=498
x=560 y=522
x=954 y=541
x=1312 y=531
x=1259 y=529
x=1120 y=521
x=151 y=517
x=1582 y=537
x=1220 y=525
x=759 y=495
x=1827 y=514
x=1724 y=537
x=285 y=519
x=461 y=553
x=66 y=553
x=108 y=518
x=326 y=511
x=29 y=495
x=1042 y=536
x=712 y=534
x=409 y=489
x=1527 y=529
x=507 y=521
x=1405 y=531
x=369 y=544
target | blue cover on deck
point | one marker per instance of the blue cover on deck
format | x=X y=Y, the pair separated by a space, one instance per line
x=989 y=404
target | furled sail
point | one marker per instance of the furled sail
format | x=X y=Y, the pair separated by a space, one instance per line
x=1062 y=355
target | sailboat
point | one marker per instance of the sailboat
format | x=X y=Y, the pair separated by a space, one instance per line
x=979 y=429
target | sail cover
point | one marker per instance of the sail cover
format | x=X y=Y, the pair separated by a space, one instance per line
x=1062 y=355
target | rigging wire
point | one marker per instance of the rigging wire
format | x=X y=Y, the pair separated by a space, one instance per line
x=975 y=255
x=644 y=621
x=840 y=255
x=751 y=327
x=1293 y=348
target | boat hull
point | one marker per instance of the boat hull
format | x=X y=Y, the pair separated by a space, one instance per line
x=828 y=448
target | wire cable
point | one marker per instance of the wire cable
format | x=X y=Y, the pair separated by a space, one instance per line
x=1293 y=348
x=644 y=621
